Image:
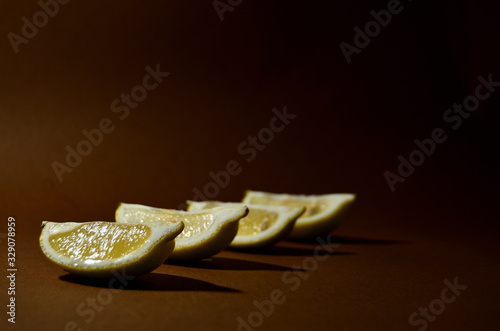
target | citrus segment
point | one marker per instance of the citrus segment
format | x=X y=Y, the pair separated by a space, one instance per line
x=206 y=233
x=263 y=226
x=323 y=212
x=98 y=249
x=117 y=240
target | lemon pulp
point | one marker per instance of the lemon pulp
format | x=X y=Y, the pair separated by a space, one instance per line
x=100 y=249
x=193 y=224
x=205 y=233
x=256 y=221
x=263 y=226
x=117 y=240
x=322 y=215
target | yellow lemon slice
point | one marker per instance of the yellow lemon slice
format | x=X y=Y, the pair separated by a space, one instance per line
x=206 y=233
x=323 y=212
x=100 y=249
x=263 y=226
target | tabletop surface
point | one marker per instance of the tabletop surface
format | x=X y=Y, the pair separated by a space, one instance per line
x=367 y=275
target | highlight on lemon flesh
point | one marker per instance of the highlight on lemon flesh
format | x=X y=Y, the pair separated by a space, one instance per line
x=206 y=232
x=102 y=249
x=263 y=226
x=323 y=212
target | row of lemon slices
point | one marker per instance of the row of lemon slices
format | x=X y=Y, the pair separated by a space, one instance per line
x=143 y=237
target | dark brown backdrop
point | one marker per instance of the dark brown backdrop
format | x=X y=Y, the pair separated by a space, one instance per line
x=353 y=120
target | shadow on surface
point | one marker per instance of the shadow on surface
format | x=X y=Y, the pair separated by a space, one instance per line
x=293 y=251
x=150 y=282
x=350 y=240
x=225 y=263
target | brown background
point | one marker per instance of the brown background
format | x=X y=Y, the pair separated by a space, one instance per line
x=353 y=120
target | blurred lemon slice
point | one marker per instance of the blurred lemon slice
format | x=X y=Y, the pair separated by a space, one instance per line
x=98 y=249
x=323 y=212
x=263 y=226
x=205 y=233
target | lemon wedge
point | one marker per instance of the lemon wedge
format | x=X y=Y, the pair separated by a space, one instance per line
x=206 y=232
x=263 y=226
x=99 y=249
x=323 y=212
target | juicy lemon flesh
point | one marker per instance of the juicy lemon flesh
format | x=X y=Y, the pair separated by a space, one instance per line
x=115 y=241
x=256 y=221
x=313 y=207
x=193 y=224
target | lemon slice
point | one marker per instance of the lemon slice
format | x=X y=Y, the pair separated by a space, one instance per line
x=100 y=249
x=323 y=212
x=263 y=226
x=206 y=233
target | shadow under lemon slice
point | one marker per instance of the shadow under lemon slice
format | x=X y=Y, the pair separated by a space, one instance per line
x=323 y=212
x=102 y=249
x=205 y=233
x=263 y=226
